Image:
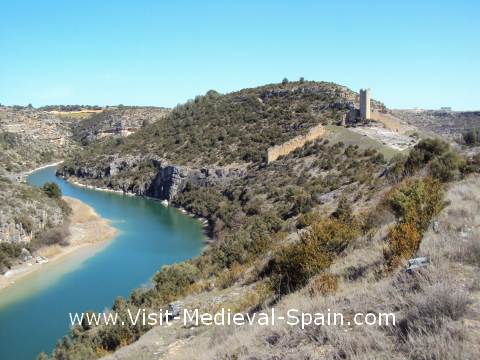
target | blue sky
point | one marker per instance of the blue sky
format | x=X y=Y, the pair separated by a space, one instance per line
x=411 y=53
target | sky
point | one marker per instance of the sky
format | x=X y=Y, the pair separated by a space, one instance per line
x=410 y=53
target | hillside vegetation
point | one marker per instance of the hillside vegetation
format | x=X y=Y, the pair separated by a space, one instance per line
x=30 y=138
x=29 y=218
x=328 y=222
x=344 y=201
x=224 y=129
x=121 y=121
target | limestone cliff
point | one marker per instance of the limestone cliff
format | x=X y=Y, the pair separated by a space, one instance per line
x=149 y=176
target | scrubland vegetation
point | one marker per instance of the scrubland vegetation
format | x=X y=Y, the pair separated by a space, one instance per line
x=236 y=127
x=328 y=224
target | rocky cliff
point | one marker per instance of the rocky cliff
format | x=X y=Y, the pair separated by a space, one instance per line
x=26 y=211
x=149 y=176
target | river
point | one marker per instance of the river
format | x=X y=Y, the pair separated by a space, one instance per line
x=34 y=311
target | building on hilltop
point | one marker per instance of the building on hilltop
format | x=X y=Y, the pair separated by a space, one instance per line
x=365 y=110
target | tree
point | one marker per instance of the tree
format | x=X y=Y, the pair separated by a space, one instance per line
x=285 y=81
x=302 y=80
x=52 y=190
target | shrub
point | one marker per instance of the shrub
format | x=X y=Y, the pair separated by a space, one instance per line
x=471 y=137
x=295 y=264
x=424 y=152
x=52 y=190
x=307 y=219
x=52 y=236
x=417 y=201
x=26 y=222
x=173 y=280
x=323 y=284
x=230 y=276
x=8 y=251
x=403 y=242
x=447 y=167
x=344 y=210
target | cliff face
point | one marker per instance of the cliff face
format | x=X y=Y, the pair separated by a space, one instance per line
x=24 y=211
x=150 y=176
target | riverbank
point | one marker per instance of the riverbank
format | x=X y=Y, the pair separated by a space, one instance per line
x=87 y=230
x=22 y=176
x=203 y=221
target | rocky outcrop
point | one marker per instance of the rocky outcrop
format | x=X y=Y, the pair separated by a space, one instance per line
x=171 y=179
x=150 y=176
x=26 y=211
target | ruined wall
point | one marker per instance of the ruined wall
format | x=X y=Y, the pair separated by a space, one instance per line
x=391 y=122
x=276 y=151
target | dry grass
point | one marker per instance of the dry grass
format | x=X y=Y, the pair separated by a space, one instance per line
x=437 y=308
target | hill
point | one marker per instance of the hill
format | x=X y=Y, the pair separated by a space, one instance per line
x=331 y=223
x=448 y=124
x=210 y=139
x=119 y=122
x=30 y=138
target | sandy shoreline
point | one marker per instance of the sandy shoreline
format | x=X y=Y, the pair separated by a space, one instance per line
x=87 y=230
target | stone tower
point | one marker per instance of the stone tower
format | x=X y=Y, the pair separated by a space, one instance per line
x=365 y=112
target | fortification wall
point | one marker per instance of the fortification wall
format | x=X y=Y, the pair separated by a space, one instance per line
x=274 y=152
x=391 y=122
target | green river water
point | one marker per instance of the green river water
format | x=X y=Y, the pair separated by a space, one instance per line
x=34 y=311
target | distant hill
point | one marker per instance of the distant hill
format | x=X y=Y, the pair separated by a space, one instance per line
x=30 y=138
x=120 y=121
x=448 y=124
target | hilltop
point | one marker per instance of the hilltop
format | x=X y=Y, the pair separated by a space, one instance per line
x=210 y=139
x=332 y=222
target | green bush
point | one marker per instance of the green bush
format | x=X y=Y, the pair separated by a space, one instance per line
x=295 y=264
x=447 y=167
x=52 y=190
x=417 y=201
x=173 y=280
x=424 y=152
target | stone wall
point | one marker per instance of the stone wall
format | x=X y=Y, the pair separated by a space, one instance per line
x=276 y=151
x=391 y=122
